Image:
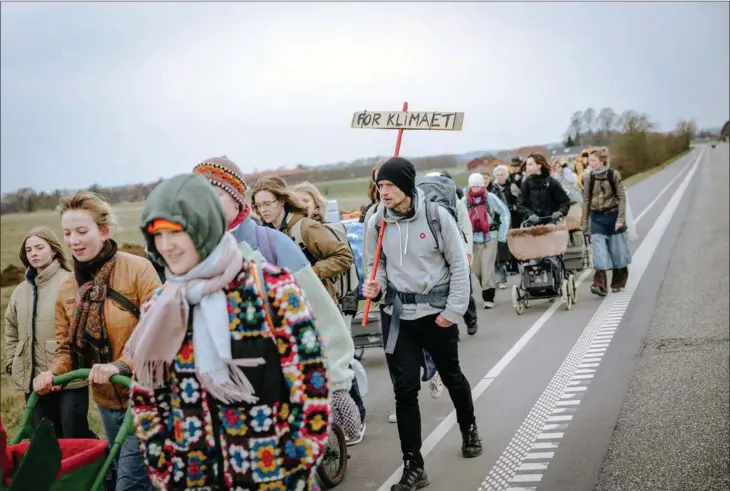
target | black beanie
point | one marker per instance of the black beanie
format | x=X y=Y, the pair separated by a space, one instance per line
x=401 y=173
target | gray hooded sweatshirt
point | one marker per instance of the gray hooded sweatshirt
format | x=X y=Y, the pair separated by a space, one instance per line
x=412 y=263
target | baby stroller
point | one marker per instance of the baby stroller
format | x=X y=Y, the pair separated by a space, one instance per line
x=539 y=249
x=46 y=463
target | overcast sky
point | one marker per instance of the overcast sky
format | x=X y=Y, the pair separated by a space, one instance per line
x=118 y=93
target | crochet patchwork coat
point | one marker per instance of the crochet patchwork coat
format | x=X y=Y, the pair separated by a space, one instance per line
x=191 y=441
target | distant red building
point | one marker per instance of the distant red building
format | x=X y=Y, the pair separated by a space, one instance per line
x=484 y=164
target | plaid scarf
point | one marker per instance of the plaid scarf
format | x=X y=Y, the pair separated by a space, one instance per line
x=88 y=339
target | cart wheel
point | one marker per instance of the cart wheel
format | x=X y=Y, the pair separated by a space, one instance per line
x=517 y=301
x=359 y=353
x=526 y=302
x=573 y=288
x=332 y=469
x=568 y=297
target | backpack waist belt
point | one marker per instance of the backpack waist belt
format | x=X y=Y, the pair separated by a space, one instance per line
x=436 y=298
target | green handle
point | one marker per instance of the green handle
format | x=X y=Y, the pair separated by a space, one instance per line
x=65 y=378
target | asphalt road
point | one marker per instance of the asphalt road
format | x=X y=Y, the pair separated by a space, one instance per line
x=622 y=394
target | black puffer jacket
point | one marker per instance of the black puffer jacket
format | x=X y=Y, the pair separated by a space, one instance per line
x=542 y=196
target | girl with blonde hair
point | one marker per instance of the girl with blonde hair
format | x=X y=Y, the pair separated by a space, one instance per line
x=313 y=200
x=30 y=340
x=605 y=205
x=96 y=312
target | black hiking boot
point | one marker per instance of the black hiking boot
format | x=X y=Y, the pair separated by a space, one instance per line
x=414 y=477
x=472 y=328
x=471 y=442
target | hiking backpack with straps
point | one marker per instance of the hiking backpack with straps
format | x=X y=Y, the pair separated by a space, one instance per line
x=349 y=281
x=592 y=183
x=439 y=191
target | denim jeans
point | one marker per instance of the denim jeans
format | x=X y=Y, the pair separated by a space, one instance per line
x=131 y=470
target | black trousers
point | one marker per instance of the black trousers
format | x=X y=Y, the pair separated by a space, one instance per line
x=470 y=316
x=68 y=411
x=404 y=366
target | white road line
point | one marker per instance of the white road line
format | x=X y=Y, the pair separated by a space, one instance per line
x=545 y=445
x=443 y=428
x=539 y=455
x=507 y=464
x=527 y=478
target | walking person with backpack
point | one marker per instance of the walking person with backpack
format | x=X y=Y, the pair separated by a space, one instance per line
x=423 y=285
x=331 y=258
x=490 y=221
x=605 y=205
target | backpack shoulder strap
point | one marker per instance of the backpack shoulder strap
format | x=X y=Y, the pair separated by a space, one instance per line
x=434 y=223
x=123 y=302
x=612 y=181
x=258 y=273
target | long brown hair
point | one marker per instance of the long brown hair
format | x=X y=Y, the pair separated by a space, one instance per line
x=277 y=186
x=540 y=160
x=46 y=234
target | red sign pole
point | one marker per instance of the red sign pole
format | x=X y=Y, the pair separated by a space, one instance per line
x=379 y=246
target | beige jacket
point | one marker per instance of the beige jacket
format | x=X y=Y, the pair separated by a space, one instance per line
x=135 y=278
x=25 y=331
x=332 y=257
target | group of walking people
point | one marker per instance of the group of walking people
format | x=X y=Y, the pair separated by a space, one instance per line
x=233 y=329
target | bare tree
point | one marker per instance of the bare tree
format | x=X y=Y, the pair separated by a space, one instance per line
x=589 y=119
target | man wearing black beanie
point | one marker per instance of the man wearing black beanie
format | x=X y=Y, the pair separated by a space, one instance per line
x=423 y=286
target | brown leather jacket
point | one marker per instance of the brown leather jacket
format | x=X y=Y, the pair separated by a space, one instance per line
x=135 y=278
x=332 y=256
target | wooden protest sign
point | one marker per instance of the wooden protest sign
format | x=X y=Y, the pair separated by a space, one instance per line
x=396 y=120
x=401 y=120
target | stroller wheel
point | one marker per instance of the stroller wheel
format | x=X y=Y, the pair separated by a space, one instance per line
x=517 y=301
x=572 y=288
x=565 y=292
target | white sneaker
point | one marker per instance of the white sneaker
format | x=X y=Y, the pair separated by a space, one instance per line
x=488 y=305
x=502 y=286
x=436 y=386
x=358 y=439
x=392 y=417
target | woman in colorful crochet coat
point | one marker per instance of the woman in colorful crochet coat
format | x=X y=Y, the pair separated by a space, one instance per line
x=232 y=388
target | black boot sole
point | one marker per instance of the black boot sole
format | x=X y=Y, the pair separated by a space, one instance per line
x=470 y=454
x=419 y=485
x=472 y=330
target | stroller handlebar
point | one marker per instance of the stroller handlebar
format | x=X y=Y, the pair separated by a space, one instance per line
x=540 y=220
x=83 y=373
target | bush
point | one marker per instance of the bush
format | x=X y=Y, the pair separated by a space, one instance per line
x=637 y=151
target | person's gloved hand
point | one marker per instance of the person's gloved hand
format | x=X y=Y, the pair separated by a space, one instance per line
x=557 y=215
x=533 y=218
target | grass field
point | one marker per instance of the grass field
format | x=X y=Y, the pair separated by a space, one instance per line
x=350 y=193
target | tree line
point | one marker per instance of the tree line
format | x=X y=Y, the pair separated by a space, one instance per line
x=633 y=140
x=28 y=200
